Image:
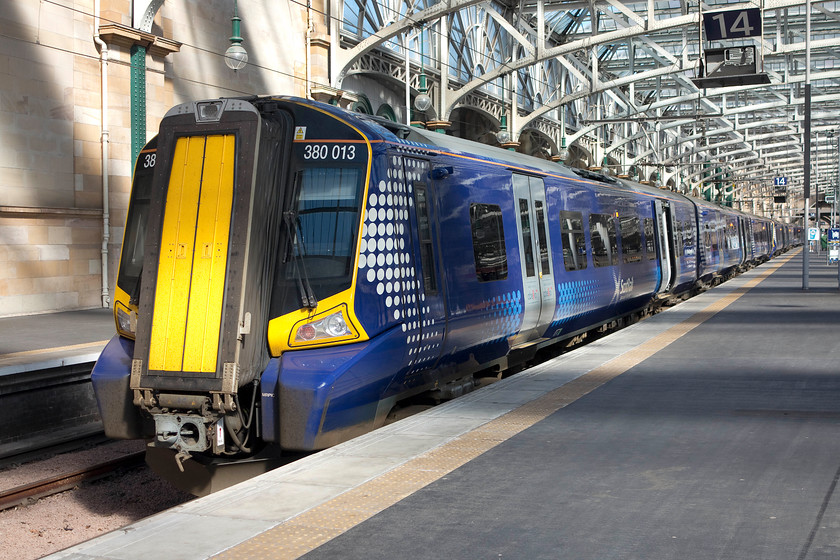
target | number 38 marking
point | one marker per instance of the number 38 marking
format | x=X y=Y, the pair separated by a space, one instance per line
x=149 y=161
x=324 y=151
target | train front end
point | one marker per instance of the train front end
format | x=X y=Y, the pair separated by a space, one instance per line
x=242 y=211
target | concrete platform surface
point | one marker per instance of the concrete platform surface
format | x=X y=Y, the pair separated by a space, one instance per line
x=709 y=431
x=37 y=342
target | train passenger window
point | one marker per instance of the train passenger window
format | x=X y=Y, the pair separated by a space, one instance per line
x=710 y=237
x=527 y=247
x=602 y=233
x=573 y=240
x=545 y=261
x=732 y=236
x=688 y=234
x=488 y=242
x=421 y=203
x=612 y=236
x=676 y=238
x=650 y=239
x=631 y=239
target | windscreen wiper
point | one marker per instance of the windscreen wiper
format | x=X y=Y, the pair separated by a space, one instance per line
x=307 y=296
x=134 y=296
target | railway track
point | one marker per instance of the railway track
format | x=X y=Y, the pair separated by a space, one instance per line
x=26 y=493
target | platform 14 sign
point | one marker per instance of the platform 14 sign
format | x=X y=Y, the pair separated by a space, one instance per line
x=732 y=24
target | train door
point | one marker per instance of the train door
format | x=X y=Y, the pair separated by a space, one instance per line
x=426 y=320
x=535 y=256
x=663 y=219
x=749 y=231
x=746 y=249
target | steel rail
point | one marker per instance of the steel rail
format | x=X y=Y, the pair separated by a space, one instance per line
x=24 y=493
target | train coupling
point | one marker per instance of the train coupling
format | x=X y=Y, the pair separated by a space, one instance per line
x=189 y=433
x=180 y=457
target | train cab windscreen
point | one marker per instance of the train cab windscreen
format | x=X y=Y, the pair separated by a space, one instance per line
x=322 y=212
x=319 y=234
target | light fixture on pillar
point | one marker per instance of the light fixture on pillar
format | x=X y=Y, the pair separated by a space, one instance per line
x=564 y=151
x=423 y=102
x=236 y=57
x=503 y=136
x=605 y=169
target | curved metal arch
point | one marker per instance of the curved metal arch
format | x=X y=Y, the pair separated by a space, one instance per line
x=720 y=175
x=362 y=105
x=345 y=58
x=792 y=148
x=552 y=143
x=659 y=54
x=386 y=111
x=562 y=50
x=143 y=14
x=481 y=110
x=739 y=128
x=606 y=88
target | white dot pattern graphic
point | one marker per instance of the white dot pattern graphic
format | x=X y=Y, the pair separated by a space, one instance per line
x=386 y=263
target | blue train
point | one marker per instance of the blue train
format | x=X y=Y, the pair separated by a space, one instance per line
x=290 y=271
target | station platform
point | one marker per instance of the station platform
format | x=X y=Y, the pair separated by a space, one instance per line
x=50 y=340
x=709 y=431
x=46 y=398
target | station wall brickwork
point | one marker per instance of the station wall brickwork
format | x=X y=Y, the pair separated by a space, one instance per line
x=51 y=205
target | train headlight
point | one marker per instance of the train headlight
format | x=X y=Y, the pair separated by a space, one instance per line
x=209 y=111
x=332 y=326
x=126 y=321
x=335 y=325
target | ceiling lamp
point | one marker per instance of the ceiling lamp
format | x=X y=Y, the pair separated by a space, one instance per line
x=236 y=57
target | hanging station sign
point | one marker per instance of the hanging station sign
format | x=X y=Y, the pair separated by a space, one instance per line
x=731 y=66
x=732 y=24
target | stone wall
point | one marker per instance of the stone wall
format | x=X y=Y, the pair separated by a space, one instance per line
x=51 y=126
x=50 y=195
x=49 y=261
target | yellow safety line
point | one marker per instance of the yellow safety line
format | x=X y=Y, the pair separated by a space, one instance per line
x=13 y=355
x=305 y=532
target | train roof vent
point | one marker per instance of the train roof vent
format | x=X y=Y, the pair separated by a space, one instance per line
x=591 y=175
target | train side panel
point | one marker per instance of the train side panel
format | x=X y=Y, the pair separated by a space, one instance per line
x=617 y=270
x=483 y=280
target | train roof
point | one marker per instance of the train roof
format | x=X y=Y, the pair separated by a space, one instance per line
x=426 y=139
x=421 y=138
x=460 y=145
